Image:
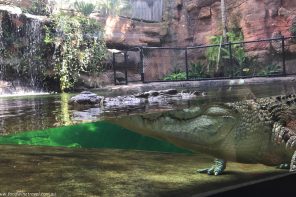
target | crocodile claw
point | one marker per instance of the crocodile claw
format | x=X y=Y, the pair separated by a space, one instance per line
x=284 y=135
x=217 y=169
x=293 y=163
x=284 y=166
x=291 y=143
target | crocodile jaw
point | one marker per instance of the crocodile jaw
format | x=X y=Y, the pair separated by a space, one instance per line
x=206 y=129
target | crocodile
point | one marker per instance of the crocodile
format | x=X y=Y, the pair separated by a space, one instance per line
x=259 y=130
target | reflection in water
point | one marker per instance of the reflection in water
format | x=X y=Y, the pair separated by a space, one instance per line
x=91 y=135
x=30 y=113
x=26 y=113
x=65 y=115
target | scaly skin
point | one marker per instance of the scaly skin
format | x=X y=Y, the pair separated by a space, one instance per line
x=250 y=131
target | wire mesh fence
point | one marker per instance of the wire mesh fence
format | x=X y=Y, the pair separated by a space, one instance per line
x=127 y=66
x=164 y=64
x=260 y=58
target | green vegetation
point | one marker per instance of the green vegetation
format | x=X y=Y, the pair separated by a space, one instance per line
x=79 y=47
x=84 y=8
x=221 y=55
x=38 y=7
x=220 y=63
x=175 y=75
x=196 y=70
x=219 y=59
x=293 y=27
x=270 y=69
x=113 y=7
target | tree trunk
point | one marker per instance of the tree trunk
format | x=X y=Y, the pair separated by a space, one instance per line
x=223 y=16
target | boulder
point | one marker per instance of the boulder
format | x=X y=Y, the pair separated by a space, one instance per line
x=122 y=101
x=133 y=102
x=86 y=98
x=205 y=13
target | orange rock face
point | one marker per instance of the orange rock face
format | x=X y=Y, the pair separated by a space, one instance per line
x=193 y=22
x=256 y=18
x=121 y=31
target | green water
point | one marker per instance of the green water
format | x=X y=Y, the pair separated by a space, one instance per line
x=90 y=135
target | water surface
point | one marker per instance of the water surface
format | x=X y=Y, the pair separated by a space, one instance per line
x=28 y=113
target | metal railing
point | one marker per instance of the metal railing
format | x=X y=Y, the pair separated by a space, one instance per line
x=234 y=60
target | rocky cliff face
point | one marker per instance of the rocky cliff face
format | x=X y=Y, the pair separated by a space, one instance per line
x=19 y=3
x=197 y=20
x=193 y=22
x=22 y=50
x=122 y=32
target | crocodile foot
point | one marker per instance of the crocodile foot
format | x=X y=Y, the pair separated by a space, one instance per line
x=217 y=169
x=284 y=166
x=293 y=163
x=285 y=135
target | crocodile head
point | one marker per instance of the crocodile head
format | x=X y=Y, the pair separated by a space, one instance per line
x=190 y=128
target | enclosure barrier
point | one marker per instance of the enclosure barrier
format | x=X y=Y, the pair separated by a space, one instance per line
x=229 y=60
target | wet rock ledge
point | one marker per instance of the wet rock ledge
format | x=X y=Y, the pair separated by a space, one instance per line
x=162 y=97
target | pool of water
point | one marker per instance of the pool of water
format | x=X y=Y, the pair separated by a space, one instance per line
x=38 y=112
x=49 y=146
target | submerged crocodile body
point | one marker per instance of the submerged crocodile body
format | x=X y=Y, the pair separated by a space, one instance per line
x=251 y=131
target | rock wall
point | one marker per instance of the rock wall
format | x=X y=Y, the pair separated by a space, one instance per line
x=193 y=22
x=122 y=32
x=19 y=3
x=23 y=54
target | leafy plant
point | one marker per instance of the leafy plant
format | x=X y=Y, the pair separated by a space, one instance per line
x=177 y=74
x=38 y=7
x=85 y=8
x=270 y=69
x=78 y=48
x=293 y=27
x=215 y=55
x=198 y=70
x=113 y=7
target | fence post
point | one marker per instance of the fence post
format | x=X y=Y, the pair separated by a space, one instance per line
x=230 y=58
x=125 y=67
x=114 y=70
x=142 y=63
x=284 y=55
x=186 y=63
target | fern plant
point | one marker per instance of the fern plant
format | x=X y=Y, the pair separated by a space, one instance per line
x=198 y=70
x=84 y=8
